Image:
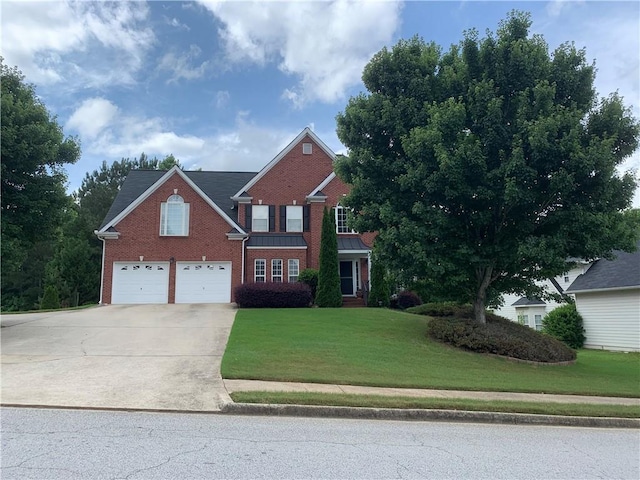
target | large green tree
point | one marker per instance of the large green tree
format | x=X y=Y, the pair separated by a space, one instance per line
x=486 y=166
x=34 y=152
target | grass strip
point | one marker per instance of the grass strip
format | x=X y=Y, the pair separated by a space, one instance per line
x=378 y=401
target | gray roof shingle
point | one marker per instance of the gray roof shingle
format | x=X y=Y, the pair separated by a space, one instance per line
x=276 y=240
x=623 y=271
x=218 y=186
x=352 y=243
x=527 y=301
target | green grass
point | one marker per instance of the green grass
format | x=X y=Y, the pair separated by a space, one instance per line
x=378 y=401
x=380 y=347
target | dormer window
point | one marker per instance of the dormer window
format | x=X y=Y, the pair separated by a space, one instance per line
x=174 y=217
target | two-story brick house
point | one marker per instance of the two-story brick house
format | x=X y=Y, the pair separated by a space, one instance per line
x=192 y=237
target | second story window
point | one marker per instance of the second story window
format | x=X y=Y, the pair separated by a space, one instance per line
x=294 y=218
x=260 y=218
x=174 y=217
x=341 y=220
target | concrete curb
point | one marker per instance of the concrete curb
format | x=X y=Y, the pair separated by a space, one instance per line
x=426 y=415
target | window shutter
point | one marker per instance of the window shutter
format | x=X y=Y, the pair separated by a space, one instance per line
x=272 y=218
x=247 y=217
x=306 y=221
x=283 y=218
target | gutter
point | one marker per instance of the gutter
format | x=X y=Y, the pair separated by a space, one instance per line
x=609 y=289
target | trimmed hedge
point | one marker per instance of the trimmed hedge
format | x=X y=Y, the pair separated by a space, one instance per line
x=407 y=299
x=273 y=295
x=454 y=324
x=444 y=309
x=565 y=324
x=499 y=336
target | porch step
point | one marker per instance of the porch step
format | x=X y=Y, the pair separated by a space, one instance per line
x=352 y=302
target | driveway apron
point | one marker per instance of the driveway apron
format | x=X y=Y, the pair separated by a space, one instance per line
x=158 y=357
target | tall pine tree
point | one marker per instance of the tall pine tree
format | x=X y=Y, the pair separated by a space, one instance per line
x=328 y=293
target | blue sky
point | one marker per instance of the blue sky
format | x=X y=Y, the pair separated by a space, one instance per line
x=226 y=85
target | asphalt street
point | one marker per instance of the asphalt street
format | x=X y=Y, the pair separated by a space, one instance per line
x=69 y=444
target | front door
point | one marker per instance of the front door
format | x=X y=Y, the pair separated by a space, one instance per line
x=346 y=277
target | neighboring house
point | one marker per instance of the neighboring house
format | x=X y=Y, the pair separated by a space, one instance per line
x=192 y=237
x=608 y=298
x=531 y=311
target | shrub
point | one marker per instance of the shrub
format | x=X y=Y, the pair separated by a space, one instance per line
x=50 y=299
x=565 y=324
x=328 y=293
x=379 y=296
x=309 y=276
x=499 y=336
x=445 y=309
x=407 y=299
x=273 y=295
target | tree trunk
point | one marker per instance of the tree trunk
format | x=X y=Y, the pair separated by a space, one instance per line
x=483 y=276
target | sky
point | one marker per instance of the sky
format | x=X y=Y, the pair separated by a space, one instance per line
x=227 y=85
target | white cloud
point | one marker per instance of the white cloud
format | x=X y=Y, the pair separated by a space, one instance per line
x=222 y=98
x=324 y=44
x=181 y=66
x=92 y=117
x=76 y=44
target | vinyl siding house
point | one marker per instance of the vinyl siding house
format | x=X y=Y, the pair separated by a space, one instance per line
x=608 y=298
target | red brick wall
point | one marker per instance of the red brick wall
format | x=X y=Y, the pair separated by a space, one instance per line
x=270 y=254
x=140 y=235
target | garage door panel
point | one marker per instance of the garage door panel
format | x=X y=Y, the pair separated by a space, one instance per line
x=135 y=283
x=203 y=282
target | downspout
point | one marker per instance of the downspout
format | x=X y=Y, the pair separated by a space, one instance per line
x=243 y=250
x=102 y=269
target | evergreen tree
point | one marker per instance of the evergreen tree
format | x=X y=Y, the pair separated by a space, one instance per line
x=380 y=294
x=328 y=293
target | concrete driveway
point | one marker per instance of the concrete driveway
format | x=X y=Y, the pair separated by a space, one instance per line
x=160 y=357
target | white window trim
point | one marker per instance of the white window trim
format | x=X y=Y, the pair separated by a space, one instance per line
x=307 y=148
x=348 y=230
x=298 y=216
x=296 y=262
x=164 y=216
x=257 y=214
x=275 y=276
x=263 y=276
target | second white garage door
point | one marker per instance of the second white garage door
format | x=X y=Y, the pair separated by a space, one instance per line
x=203 y=282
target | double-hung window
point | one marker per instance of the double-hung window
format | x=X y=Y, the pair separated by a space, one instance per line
x=174 y=217
x=260 y=270
x=294 y=269
x=260 y=218
x=294 y=218
x=538 y=322
x=341 y=220
x=276 y=270
x=523 y=320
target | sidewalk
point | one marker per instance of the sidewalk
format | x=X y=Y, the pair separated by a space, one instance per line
x=264 y=386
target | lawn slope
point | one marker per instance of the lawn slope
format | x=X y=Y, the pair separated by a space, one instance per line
x=388 y=348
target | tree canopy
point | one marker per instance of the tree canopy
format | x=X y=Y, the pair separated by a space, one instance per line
x=485 y=167
x=34 y=151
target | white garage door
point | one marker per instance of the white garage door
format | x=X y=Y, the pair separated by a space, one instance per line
x=140 y=282
x=203 y=282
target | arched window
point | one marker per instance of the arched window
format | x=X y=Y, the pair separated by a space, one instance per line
x=174 y=217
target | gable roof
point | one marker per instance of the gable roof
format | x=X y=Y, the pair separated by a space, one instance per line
x=242 y=192
x=524 y=301
x=621 y=273
x=317 y=192
x=214 y=187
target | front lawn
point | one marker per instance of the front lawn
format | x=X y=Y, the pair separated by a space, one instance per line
x=380 y=347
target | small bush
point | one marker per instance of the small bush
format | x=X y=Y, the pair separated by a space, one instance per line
x=499 y=336
x=50 y=299
x=380 y=294
x=309 y=276
x=273 y=295
x=407 y=299
x=565 y=324
x=446 y=309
